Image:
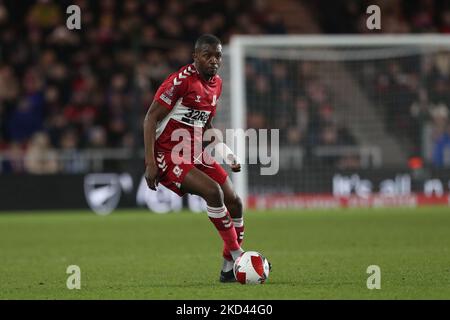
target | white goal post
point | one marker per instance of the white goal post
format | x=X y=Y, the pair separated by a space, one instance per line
x=322 y=48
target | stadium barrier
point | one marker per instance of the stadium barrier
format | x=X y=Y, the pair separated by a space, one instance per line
x=105 y=192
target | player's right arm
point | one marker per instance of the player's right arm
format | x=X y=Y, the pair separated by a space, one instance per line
x=155 y=113
x=167 y=95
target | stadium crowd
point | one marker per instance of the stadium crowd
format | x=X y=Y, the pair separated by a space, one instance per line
x=64 y=91
x=415 y=92
x=398 y=16
x=290 y=95
x=69 y=90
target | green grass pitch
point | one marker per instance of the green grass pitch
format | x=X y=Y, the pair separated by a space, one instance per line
x=317 y=254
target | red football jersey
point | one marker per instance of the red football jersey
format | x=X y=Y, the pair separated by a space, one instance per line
x=192 y=102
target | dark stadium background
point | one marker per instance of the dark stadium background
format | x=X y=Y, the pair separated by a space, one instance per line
x=74 y=98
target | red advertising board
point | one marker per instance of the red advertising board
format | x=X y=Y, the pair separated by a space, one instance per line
x=305 y=201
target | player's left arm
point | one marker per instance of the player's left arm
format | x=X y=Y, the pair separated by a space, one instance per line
x=224 y=151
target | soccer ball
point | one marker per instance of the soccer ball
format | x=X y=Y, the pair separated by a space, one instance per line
x=251 y=268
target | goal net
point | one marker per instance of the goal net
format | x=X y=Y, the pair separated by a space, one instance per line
x=349 y=119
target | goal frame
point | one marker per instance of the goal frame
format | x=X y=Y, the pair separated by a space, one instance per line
x=237 y=46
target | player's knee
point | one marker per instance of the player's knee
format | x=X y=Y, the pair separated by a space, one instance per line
x=235 y=207
x=213 y=194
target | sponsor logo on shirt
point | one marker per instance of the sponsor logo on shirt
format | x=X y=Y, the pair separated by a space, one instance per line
x=165 y=98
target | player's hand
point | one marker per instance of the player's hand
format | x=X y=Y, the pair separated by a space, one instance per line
x=235 y=166
x=151 y=176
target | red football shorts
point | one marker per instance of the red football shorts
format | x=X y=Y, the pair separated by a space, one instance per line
x=171 y=172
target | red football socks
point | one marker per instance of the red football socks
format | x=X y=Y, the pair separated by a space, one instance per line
x=239 y=227
x=223 y=223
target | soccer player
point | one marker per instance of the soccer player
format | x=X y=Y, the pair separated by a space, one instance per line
x=187 y=101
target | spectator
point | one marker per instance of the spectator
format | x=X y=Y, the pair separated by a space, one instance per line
x=44 y=14
x=9 y=86
x=13 y=159
x=441 y=151
x=25 y=120
x=72 y=159
x=445 y=21
x=40 y=157
x=4 y=15
x=97 y=138
x=83 y=79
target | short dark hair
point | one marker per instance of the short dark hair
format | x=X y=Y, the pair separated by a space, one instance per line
x=208 y=39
